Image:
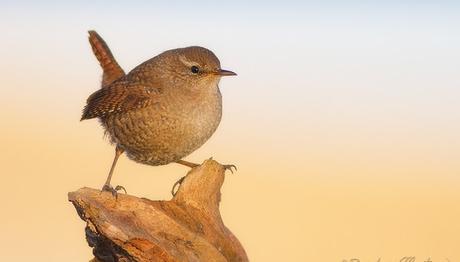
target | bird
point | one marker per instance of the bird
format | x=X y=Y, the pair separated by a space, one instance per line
x=162 y=110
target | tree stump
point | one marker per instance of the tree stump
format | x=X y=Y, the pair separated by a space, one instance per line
x=186 y=228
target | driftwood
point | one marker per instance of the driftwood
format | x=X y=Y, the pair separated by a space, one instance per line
x=186 y=228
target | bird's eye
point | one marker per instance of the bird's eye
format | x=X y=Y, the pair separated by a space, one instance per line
x=195 y=69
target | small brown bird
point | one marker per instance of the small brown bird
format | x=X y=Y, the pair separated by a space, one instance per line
x=161 y=111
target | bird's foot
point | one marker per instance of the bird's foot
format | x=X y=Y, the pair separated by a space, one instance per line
x=230 y=167
x=177 y=184
x=113 y=191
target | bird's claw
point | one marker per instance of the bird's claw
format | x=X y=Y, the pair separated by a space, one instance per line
x=113 y=191
x=178 y=183
x=230 y=167
x=118 y=188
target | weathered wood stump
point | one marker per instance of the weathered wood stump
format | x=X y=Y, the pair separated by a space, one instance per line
x=186 y=228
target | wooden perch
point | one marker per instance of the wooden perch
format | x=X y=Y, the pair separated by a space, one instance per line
x=186 y=228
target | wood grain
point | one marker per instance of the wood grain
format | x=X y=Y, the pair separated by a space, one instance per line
x=188 y=227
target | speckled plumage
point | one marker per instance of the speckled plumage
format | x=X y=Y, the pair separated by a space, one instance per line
x=161 y=111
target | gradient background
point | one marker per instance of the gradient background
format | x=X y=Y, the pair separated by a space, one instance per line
x=343 y=122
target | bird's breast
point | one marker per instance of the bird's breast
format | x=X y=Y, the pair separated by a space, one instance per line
x=168 y=130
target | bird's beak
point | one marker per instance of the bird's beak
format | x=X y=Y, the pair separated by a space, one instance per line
x=222 y=72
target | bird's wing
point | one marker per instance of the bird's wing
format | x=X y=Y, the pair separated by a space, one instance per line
x=119 y=97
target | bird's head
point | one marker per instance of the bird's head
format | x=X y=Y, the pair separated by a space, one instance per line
x=194 y=68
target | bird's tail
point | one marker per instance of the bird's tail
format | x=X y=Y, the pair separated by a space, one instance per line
x=111 y=69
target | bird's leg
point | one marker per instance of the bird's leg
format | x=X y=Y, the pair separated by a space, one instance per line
x=107 y=186
x=192 y=165
x=186 y=163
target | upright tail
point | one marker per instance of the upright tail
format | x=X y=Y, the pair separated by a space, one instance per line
x=111 y=69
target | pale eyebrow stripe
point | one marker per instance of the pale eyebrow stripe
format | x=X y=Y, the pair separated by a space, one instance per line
x=187 y=62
